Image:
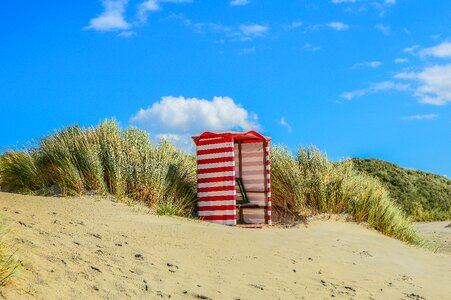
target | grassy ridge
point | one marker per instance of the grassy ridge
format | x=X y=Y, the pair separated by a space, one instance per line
x=422 y=195
x=108 y=160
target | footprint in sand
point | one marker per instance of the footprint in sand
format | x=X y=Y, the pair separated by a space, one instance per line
x=96 y=269
x=365 y=253
x=24 y=224
x=172 y=267
x=96 y=235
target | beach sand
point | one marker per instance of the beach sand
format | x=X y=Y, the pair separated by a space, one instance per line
x=93 y=248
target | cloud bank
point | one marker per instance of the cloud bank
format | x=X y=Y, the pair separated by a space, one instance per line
x=177 y=118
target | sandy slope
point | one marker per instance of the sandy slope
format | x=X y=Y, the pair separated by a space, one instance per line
x=88 y=248
x=439 y=233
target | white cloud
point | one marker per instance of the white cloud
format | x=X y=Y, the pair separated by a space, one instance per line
x=249 y=50
x=239 y=2
x=310 y=47
x=442 y=50
x=293 y=25
x=339 y=26
x=253 y=30
x=243 y=32
x=390 y=2
x=127 y=34
x=385 y=29
x=146 y=7
x=149 y=6
x=180 y=116
x=400 y=60
x=411 y=50
x=369 y=64
x=421 y=117
x=376 y=87
x=434 y=84
x=112 y=18
x=285 y=124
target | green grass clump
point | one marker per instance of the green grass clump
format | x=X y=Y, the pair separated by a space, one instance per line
x=105 y=160
x=19 y=172
x=309 y=184
x=422 y=195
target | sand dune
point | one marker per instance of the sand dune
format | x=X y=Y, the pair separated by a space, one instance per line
x=90 y=248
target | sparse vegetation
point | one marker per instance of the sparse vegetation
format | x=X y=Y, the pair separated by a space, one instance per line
x=423 y=196
x=8 y=266
x=108 y=160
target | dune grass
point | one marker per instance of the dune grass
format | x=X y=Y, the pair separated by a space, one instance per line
x=109 y=160
x=309 y=184
x=104 y=160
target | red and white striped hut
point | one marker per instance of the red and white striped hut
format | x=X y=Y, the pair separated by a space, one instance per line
x=233 y=175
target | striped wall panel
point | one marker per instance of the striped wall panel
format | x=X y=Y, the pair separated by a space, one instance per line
x=268 y=180
x=216 y=187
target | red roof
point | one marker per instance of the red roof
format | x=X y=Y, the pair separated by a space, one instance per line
x=249 y=137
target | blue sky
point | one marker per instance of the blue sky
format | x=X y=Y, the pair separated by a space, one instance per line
x=356 y=78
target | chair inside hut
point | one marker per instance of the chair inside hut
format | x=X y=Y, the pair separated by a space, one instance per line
x=251 y=182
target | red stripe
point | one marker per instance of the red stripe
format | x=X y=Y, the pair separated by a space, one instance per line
x=215 y=160
x=216 y=179
x=226 y=217
x=216 y=198
x=252 y=172
x=219 y=207
x=216 y=170
x=216 y=188
x=216 y=150
x=213 y=141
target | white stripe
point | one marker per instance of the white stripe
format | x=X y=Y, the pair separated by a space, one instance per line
x=215 y=146
x=216 y=193
x=253 y=159
x=216 y=213
x=215 y=155
x=216 y=203
x=223 y=222
x=253 y=177
x=217 y=174
x=215 y=165
x=220 y=183
x=269 y=212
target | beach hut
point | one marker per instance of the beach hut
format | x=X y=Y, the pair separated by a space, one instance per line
x=233 y=178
